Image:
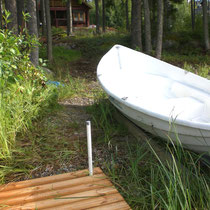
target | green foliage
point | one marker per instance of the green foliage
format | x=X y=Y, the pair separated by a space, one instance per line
x=186 y=56
x=115 y=13
x=98 y=45
x=201 y=70
x=58 y=32
x=15 y=66
x=22 y=95
x=181 y=26
x=62 y=58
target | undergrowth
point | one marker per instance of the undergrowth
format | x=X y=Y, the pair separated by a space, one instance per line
x=23 y=95
x=102 y=113
x=146 y=183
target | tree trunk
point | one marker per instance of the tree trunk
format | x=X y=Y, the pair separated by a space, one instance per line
x=33 y=31
x=104 y=16
x=37 y=15
x=165 y=16
x=127 y=16
x=1 y=23
x=11 y=6
x=20 y=10
x=205 y=25
x=147 y=25
x=136 y=25
x=49 y=33
x=159 y=29
x=69 y=18
x=97 y=17
x=192 y=2
x=43 y=17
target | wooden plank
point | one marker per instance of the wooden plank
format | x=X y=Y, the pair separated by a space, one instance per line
x=93 y=202
x=10 y=194
x=74 y=190
x=67 y=199
x=45 y=180
x=55 y=193
x=122 y=205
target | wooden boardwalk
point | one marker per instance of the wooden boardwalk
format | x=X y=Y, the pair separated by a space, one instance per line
x=74 y=190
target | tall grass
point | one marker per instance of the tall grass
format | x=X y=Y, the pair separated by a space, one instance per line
x=145 y=181
x=19 y=106
x=102 y=114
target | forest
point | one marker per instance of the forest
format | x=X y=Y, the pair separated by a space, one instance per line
x=49 y=88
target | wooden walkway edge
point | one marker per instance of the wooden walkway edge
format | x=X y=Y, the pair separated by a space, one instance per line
x=75 y=190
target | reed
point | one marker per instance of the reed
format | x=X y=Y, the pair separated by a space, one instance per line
x=147 y=183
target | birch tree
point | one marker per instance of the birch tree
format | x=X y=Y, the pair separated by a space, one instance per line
x=69 y=18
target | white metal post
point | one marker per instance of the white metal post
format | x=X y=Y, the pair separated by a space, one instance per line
x=89 y=145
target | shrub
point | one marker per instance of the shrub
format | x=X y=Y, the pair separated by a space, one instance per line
x=23 y=93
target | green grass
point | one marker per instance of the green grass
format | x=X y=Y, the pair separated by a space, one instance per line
x=102 y=116
x=40 y=148
x=95 y=46
x=62 y=58
x=147 y=183
x=19 y=105
x=144 y=180
x=180 y=59
x=61 y=54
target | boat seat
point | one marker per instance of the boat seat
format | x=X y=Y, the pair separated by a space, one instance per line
x=185 y=108
x=183 y=91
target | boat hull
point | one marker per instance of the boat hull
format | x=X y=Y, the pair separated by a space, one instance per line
x=190 y=138
x=163 y=99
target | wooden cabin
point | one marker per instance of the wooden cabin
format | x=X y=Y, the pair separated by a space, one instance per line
x=80 y=13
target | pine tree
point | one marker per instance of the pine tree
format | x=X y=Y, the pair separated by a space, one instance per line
x=33 y=30
x=49 y=32
x=136 y=24
x=159 y=29
x=147 y=25
x=11 y=6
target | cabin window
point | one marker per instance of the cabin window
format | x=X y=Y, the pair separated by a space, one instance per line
x=79 y=16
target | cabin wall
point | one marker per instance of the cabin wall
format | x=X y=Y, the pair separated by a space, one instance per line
x=59 y=14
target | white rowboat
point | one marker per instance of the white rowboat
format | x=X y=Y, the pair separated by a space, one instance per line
x=161 y=98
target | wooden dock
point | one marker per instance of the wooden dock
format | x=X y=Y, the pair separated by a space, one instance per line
x=75 y=190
